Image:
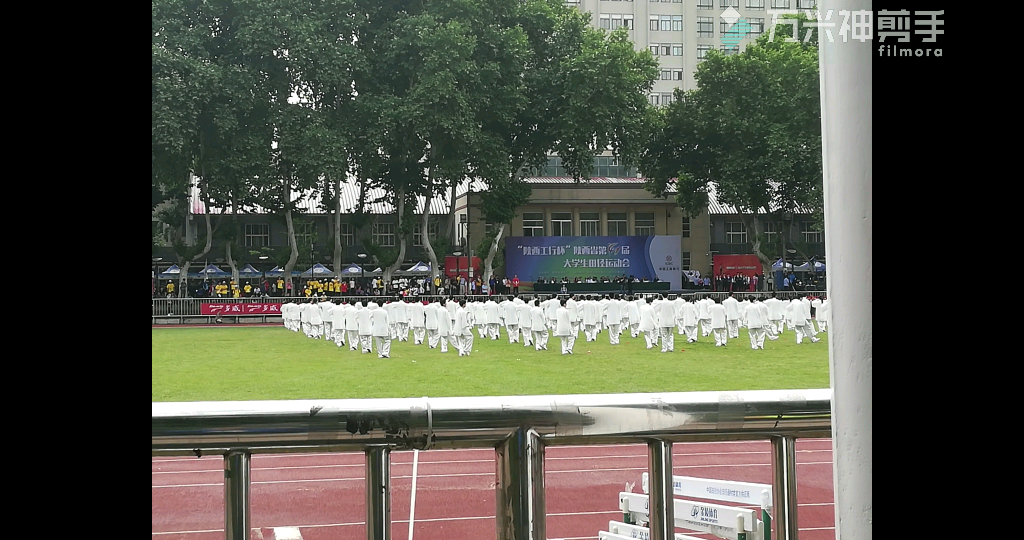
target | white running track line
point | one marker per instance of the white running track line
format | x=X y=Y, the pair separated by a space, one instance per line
x=412 y=493
x=486 y=461
x=491 y=474
x=287 y=533
x=465 y=518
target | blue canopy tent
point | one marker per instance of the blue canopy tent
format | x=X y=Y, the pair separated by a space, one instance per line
x=211 y=271
x=277 y=271
x=249 y=272
x=420 y=268
x=805 y=267
x=354 y=270
x=318 y=271
x=171 y=273
x=778 y=265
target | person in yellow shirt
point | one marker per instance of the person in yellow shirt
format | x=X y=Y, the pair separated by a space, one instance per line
x=248 y=289
x=280 y=286
x=237 y=291
x=222 y=290
x=170 y=288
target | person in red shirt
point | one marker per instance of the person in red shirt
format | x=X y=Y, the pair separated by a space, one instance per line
x=344 y=287
x=515 y=284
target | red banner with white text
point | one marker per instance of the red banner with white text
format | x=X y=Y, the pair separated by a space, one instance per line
x=240 y=309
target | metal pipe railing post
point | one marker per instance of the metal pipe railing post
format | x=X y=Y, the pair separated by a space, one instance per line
x=661 y=502
x=519 y=461
x=784 y=486
x=378 y=492
x=236 y=495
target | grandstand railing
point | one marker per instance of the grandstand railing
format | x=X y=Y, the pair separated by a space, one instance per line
x=517 y=427
x=185 y=310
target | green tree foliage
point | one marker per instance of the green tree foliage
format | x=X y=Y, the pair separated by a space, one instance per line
x=751 y=130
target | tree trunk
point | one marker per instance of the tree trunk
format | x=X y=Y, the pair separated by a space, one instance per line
x=425 y=230
x=231 y=262
x=766 y=263
x=451 y=211
x=401 y=242
x=491 y=253
x=291 y=240
x=183 y=280
x=337 y=234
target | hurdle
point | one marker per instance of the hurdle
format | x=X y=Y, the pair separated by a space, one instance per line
x=728 y=522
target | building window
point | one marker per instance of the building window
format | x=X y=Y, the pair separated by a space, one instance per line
x=728 y=3
x=686 y=226
x=644 y=222
x=677 y=74
x=805 y=4
x=257 y=234
x=417 y=232
x=755 y=4
x=735 y=233
x=654 y=22
x=666 y=98
x=666 y=74
x=728 y=51
x=304 y=233
x=655 y=99
x=756 y=27
x=686 y=260
x=617 y=224
x=677 y=50
x=705 y=4
x=627 y=20
x=383 y=234
x=705 y=27
x=533 y=224
x=666 y=50
x=561 y=224
x=666 y=23
x=809 y=234
x=702 y=51
x=590 y=224
x=654 y=49
x=606 y=22
x=780 y=4
x=348 y=236
x=772 y=233
x=677 y=23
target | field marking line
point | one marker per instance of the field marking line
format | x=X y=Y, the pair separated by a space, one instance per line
x=457 y=475
x=287 y=533
x=412 y=493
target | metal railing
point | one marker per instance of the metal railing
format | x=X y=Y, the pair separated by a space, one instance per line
x=517 y=427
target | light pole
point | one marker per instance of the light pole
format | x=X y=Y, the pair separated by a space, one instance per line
x=263 y=272
x=362 y=268
x=156 y=273
x=458 y=278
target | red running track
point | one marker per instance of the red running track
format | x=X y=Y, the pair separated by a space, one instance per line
x=321 y=496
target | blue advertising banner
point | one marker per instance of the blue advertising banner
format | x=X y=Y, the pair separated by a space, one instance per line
x=555 y=257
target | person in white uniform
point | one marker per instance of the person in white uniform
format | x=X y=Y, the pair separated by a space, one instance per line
x=401 y=318
x=444 y=329
x=316 y=322
x=538 y=324
x=797 y=318
x=563 y=327
x=510 y=318
x=551 y=311
x=574 y=315
x=823 y=315
x=352 y=325
x=430 y=315
x=417 y=321
x=807 y=313
x=464 y=329
x=493 y=313
x=366 y=327
x=614 y=315
x=338 y=322
x=775 y=314
x=704 y=315
x=381 y=332
x=718 y=323
x=689 y=311
x=325 y=316
x=732 y=315
x=591 y=316
x=525 y=323
x=755 y=324
x=679 y=303
x=665 y=314
x=768 y=330
x=633 y=314
x=648 y=325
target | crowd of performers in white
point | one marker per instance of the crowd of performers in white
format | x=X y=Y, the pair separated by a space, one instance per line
x=367 y=325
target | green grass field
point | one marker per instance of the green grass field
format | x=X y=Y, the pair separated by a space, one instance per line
x=271 y=363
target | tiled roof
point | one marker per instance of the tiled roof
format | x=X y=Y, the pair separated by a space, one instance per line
x=717 y=208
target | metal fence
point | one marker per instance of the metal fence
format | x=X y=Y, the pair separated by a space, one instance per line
x=517 y=427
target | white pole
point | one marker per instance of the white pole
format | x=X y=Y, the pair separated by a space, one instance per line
x=846 y=159
x=412 y=499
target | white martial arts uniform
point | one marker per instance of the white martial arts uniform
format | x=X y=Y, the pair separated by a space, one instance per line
x=352 y=326
x=381 y=332
x=493 y=313
x=614 y=314
x=444 y=330
x=563 y=329
x=539 y=327
x=464 y=329
x=365 y=328
x=732 y=316
x=755 y=326
x=648 y=325
x=718 y=324
x=431 y=314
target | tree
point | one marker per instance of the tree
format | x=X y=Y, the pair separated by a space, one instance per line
x=751 y=130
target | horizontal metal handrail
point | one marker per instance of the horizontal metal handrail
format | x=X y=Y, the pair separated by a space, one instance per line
x=467 y=422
